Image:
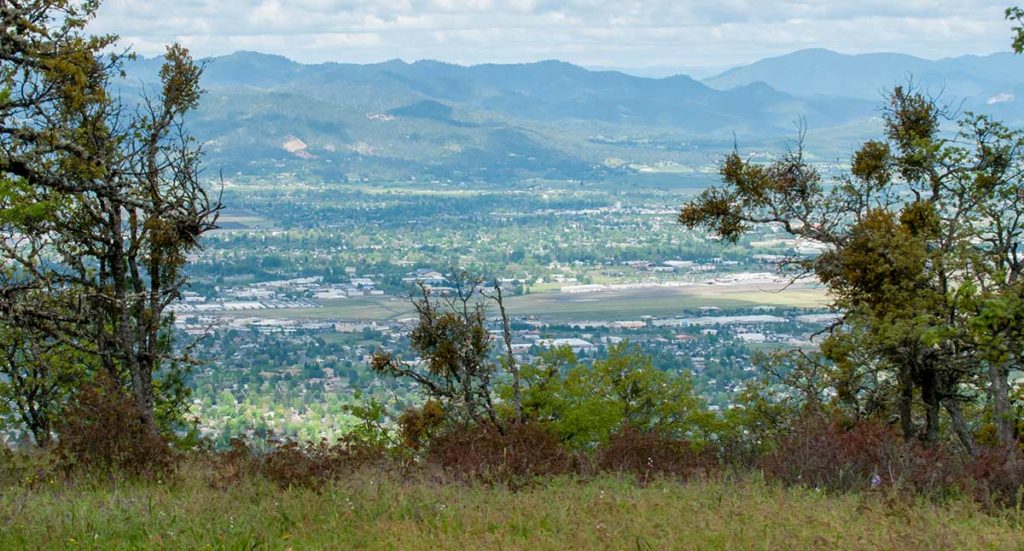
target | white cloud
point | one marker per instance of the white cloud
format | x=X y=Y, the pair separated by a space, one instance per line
x=625 y=33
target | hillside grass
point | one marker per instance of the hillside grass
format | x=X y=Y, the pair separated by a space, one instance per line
x=373 y=511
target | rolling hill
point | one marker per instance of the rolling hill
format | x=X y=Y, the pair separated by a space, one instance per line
x=266 y=114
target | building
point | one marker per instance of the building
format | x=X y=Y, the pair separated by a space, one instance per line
x=577 y=345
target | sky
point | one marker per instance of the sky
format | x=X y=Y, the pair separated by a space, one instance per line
x=652 y=35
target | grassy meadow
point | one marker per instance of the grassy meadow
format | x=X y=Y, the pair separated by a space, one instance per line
x=371 y=511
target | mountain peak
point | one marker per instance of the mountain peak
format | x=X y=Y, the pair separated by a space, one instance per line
x=250 y=55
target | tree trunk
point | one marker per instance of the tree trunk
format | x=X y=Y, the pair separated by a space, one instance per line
x=517 y=392
x=932 y=410
x=956 y=418
x=1002 y=414
x=142 y=393
x=906 y=402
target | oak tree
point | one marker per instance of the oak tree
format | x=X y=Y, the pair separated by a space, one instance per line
x=922 y=250
x=102 y=200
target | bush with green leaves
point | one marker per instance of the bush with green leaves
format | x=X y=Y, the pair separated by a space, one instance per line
x=585 y=404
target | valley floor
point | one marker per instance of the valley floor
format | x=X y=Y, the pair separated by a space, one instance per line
x=376 y=512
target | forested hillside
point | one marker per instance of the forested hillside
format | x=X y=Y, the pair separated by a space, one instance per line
x=551 y=119
x=489 y=122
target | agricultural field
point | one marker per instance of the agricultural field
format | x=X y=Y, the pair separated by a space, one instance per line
x=658 y=302
x=556 y=306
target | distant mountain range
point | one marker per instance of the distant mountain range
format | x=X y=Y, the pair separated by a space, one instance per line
x=267 y=115
x=808 y=73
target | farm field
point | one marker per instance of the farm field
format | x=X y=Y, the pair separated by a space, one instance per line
x=594 y=306
x=658 y=302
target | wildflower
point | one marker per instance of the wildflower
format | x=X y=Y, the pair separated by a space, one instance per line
x=876 y=481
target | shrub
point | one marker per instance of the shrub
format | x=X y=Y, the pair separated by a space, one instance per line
x=232 y=466
x=822 y=454
x=585 y=403
x=646 y=453
x=817 y=453
x=913 y=467
x=417 y=425
x=995 y=476
x=484 y=453
x=104 y=431
x=291 y=463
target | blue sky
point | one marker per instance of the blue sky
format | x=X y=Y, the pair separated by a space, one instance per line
x=612 y=33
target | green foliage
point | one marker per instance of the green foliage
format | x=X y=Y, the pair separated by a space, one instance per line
x=22 y=208
x=418 y=425
x=452 y=341
x=179 y=77
x=371 y=428
x=794 y=385
x=585 y=404
x=882 y=264
x=921 y=224
x=1017 y=15
x=100 y=207
x=39 y=378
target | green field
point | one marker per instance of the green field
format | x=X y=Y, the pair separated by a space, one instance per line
x=352 y=309
x=560 y=307
x=370 y=511
x=241 y=220
x=659 y=302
